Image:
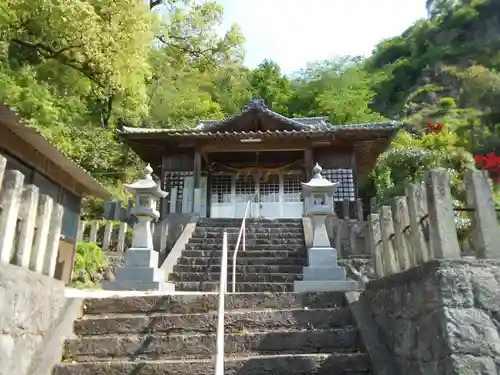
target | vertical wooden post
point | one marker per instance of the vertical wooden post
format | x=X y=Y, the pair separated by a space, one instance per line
x=308 y=162
x=486 y=232
x=346 y=209
x=94 y=228
x=53 y=240
x=108 y=231
x=195 y=194
x=43 y=215
x=27 y=214
x=10 y=199
x=197 y=168
x=389 y=255
x=375 y=241
x=373 y=205
x=417 y=209
x=442 y=229
x=122 y=236
x=401 y=232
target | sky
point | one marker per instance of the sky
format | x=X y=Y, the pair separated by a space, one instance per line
x=295 y=32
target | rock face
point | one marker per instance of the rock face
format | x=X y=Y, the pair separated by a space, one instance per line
x=266 y=333
x=273 y=260
x=441 y=318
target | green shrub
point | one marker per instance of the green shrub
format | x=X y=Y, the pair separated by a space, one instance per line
x=447 y=103
x=90 y=263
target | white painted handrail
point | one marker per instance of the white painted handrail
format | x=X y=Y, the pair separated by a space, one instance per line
x=219 y=362
x=241 y=235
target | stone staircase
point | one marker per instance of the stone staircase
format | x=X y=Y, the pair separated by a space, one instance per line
x=266 y=333
x=273 y=260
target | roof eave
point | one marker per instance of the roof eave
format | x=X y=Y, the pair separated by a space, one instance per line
x=15 y=123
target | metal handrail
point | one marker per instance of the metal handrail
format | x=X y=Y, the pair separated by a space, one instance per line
x=219 y=362
x=240 y=235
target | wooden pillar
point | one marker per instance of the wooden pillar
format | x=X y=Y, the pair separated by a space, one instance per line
x=197 y=168
x=196 y=181
x=308 y=162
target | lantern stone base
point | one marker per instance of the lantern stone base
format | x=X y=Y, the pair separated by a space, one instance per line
x=303 y=286
x=140 y=272
x=143 y=286
x=323 y=273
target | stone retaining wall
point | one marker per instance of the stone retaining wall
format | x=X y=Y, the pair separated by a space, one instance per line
x=441 y=318
x=35 y=318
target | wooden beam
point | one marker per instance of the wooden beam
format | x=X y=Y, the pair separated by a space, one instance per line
x=265 y=145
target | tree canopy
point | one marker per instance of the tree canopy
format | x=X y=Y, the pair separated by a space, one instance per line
x=73 y=69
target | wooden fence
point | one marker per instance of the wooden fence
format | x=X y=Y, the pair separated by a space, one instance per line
x=30 y=224
x=421 y=226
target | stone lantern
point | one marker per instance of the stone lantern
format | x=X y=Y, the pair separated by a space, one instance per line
x=323 y=272
x=140 y=270
x=147 y=193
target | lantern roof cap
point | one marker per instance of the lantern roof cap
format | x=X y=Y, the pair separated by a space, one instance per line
x=318 y=181
x=147 y=185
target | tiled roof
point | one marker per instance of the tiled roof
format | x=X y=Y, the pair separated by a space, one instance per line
x=327 y=129
x=297 y=126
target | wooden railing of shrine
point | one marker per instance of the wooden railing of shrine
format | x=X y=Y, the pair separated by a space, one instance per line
x=30 y=224
x=422 y=225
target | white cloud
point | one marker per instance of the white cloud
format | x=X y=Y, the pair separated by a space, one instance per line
x=294 y=32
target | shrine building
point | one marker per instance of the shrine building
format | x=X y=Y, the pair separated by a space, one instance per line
x=217 y=167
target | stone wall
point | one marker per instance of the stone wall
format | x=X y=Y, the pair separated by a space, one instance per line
x=167 y=233
x=35 y=317
x=441 y=318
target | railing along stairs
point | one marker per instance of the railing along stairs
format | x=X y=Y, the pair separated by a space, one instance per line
x=219 y=362
x=241 y=236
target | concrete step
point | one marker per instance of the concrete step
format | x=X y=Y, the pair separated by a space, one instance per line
x=249 y=253
x=174 y=346
x=283 y=226
x=205 y=323
x=233 y=237
x=295 y=364
x=248 y=221
x=252 y=241
x=231 y=247
x=240 y=278
x=241 y=287
x=252 y=230
x=243 y=261
x=262 y=268
x=202 y=303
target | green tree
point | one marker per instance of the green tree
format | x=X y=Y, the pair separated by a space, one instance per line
x=340 y=89
x=107 y=42
x=268 y=83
